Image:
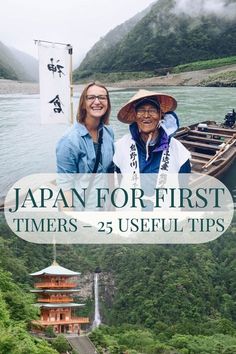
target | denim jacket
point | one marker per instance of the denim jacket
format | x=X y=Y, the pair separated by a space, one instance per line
x=76 y=154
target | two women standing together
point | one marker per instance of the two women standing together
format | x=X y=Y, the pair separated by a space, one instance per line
x=89 y=146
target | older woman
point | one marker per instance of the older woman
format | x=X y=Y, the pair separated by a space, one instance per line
x=150 y=146
x=88 y=146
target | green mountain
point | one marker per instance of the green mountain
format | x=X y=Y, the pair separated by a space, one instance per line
x=6 y=70
x=165 y=37
x=16 y=65
x=29 y=65
x=108 y=43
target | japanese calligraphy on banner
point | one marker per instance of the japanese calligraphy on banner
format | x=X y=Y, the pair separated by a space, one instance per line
x=55 y=85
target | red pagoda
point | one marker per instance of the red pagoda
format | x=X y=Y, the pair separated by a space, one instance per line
x=55 y=287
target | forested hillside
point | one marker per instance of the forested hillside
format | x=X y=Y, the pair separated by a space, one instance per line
x=173 y=296
x=165 y=37
x=6 y=70
x=16 y=65
x=16 y=310
x=107 y=44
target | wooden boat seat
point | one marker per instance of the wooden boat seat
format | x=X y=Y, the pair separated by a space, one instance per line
x=200 y=154
x=217 y=162
x=197 y=132
x=202 y=138
x=199 y=145
x=224 y=130
x=193 y=160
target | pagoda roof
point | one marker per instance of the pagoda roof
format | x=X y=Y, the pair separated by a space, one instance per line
x=55 y=269
x=55 y=290
x=69 y=304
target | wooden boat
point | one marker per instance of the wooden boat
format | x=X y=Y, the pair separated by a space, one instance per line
x=212 y=146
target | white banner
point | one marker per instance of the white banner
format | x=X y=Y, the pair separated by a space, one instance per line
x=54 y=76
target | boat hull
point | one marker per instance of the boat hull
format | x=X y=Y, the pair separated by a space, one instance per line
x=212 y=147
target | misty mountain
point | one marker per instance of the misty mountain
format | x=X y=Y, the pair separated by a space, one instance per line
x=30 y=64
x=6 y=69
x=107 y=43
x=170 y=33
x=16 y=65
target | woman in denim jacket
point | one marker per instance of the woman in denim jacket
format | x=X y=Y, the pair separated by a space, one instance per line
x=78 y=150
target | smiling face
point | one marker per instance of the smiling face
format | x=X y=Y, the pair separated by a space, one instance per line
x=147 y=118
x=96 y=103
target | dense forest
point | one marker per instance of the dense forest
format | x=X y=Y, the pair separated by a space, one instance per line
x=162 y=39
x=167 y=299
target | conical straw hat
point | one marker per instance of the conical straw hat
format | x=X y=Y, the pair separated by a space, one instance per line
x=127 y=112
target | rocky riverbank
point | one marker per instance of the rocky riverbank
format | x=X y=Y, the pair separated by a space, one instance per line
x=28 y=88
x=18 y=87
x=221 y=76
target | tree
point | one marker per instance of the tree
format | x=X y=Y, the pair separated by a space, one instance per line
x=61 y=344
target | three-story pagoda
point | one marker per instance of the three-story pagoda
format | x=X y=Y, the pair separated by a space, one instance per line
x=55 y=287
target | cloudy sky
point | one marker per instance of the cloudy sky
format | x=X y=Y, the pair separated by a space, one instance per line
x=78 y=22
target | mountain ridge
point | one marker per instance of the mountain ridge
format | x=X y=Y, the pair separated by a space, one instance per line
x=17 y=65
x=163 y=39
x=113 y=37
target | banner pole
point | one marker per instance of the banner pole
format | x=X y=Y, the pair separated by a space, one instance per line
x=40 y=40
x=70 y=50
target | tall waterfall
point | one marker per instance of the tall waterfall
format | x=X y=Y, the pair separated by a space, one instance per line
x=97 y=318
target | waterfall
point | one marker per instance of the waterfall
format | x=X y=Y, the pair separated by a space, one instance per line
x=97 y=318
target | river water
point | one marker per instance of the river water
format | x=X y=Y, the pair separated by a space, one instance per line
x=28 y=147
